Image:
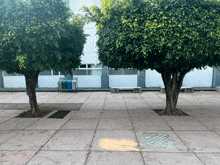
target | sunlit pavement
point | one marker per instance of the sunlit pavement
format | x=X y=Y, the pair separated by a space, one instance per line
x=111 y=129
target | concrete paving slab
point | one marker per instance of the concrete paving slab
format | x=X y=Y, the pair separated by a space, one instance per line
x=99 y=96
x=200 y=141
x=115 y=123
x=59 y=157
x=114 y=100
x=116 y=158
x=171 y=159
x=151 y=123
x=184 y=123
x=115 y=114
x=115 y=140
x=133 y=96
x=59 y=106
x=196 y=112
x=21 y=106
x=47 y=124
x=17 y=123
x=212 y=122
x=96 y=101
x=178 y=145
x=144 y=113
x=117 y=106
x=210 y=159
x=70 y=140
x=15 y=157
x=24 y=99
x=9 y=113
x=137 y=106
x=6 y=135
x=2 y=120
x=135 y=100
x=75 y=100
x=5 y=106
x=27 y=140
x=87 y=114
x=91 y=107
x=81 y=124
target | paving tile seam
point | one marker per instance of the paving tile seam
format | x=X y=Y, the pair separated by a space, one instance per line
x=183 y=141
x=51 y=98
x=5 y=121
x=8 y=138
x=89 y=151
x=69 y=98
x=31 y=123
x=142 y=156
x=189 y=147
x=55 y=132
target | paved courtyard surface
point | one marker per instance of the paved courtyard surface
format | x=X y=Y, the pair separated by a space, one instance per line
x=111 y=129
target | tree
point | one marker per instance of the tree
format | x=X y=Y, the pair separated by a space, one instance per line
x=171 y=36
x=37 y=36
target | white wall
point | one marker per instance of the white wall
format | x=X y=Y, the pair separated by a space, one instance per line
x=14 y=82
x=195 y=78
x=93 y=81
x=153 y=78
x=48 y=81
x=122 y=80
x=199 y=78
x=90 y=49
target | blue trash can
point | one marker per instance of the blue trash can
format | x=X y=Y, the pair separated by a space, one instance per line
x=69 y=84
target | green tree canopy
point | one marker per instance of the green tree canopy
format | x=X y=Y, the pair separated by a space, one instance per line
x=37 y=36
x=171 y=36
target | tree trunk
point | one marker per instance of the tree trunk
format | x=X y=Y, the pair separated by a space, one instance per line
x=31 y=82
x=172 y=83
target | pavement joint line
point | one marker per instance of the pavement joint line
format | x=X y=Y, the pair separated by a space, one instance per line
x=69 y=98
x=10 y=137
x=179 y=137
x=55 y=132
x=51 y=98
x=183 y=142
x=201 y=122
x=142 y=156
x=89 y=151
x=188 y=147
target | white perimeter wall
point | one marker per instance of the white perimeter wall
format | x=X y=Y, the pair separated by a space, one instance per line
x=195 y=78
x=19 y=81
x=14 y=82
x=122 y=80
x=48 y=81
x=93 y=81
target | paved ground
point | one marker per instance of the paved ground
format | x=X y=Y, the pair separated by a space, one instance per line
x=111 y=129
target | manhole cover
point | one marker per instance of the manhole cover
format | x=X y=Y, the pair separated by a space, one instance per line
x=59 y=114
x=158 y=140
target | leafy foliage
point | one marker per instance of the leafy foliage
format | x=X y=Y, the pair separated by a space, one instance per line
x=164 y=35
x=38 y=35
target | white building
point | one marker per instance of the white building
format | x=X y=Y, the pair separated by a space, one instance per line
x=92 y=75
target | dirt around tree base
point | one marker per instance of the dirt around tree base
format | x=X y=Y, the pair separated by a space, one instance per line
x=178 y=112
x=27 y=114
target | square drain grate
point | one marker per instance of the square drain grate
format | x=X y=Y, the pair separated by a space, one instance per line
x=60 y=114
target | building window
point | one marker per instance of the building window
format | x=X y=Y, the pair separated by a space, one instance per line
x=112 y=71
x=88 y=69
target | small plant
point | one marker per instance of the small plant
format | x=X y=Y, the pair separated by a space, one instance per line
x=22 y=114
